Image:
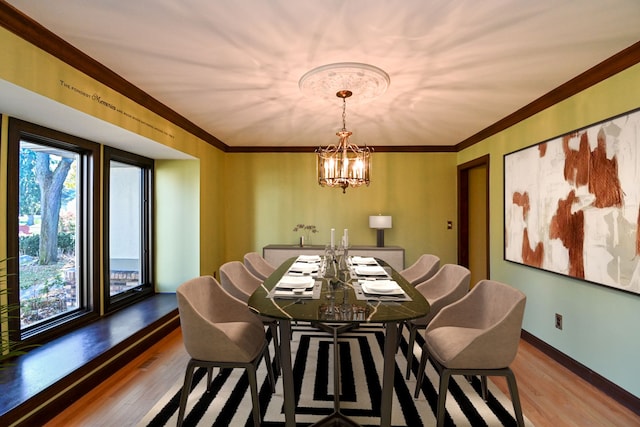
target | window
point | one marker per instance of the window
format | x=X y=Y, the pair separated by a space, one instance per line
x=53 y=223
x=128 y=236
x=51 y=244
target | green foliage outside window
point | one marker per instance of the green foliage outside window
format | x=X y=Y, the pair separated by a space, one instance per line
x=30 y=245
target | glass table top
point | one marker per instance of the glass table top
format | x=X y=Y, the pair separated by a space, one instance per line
x=342 y=302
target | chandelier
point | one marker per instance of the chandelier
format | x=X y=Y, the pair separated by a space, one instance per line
x=344 y=164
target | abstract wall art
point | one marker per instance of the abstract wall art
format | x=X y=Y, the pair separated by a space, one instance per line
x=572 y=204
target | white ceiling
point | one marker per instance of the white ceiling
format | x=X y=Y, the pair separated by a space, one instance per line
x=232 y=67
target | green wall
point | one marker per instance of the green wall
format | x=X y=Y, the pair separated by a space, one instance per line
x=178 y=199
x=600 y=324
x=267 y=194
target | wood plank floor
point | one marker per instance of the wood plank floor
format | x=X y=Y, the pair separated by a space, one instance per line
x=551 y=395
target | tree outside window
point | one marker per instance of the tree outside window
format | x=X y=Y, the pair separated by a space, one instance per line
x=47 y=232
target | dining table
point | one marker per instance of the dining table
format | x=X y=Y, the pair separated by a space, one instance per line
x=336 y=297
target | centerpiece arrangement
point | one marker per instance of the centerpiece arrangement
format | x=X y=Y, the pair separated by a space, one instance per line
x=305 y=233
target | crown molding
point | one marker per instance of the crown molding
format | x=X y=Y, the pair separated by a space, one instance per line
x=602 y=71
x=31 y=31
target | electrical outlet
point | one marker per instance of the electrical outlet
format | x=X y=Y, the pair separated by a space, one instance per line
x=558 y=321
x=449 y=225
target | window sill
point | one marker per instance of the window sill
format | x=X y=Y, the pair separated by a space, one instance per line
x=81 y=359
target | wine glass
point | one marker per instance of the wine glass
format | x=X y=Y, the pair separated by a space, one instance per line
x=330 y=271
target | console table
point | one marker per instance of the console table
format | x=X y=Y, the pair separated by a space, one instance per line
x=277 y=254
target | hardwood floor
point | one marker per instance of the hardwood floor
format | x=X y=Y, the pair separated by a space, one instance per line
x=124 y=398
x=551 y=395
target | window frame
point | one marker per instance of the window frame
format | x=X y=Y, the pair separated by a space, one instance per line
x=88 y=239
x=147 y=287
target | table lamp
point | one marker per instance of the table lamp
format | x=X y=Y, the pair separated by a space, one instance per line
x=380 y=222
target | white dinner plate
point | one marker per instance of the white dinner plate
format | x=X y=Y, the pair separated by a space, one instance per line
x=296 y=282
x=381 y=287
x=359 y=260
x=303 y=267
x=366 y=270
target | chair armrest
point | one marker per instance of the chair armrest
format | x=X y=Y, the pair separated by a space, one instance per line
x=461 y=313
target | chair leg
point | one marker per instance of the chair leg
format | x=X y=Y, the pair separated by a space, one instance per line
x=515 y=397
x=253 y=385
x=209 y=377
x=186 y=388
x=273 y=326
x=442 y=396
x=412 y=339
x=400 y=326
x=270 y=375
x=421 y=369
x=483 y=387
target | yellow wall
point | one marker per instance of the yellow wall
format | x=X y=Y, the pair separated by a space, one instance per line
x=600 y=323
x=4 y=321
x=267 y=194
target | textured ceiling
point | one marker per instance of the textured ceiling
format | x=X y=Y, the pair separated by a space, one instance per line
x=232 y=67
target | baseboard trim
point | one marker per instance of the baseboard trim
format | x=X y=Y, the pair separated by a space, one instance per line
x=610 y=389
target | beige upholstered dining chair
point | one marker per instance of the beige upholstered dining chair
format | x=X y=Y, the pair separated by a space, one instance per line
x=239 y=282
x=258 y=266
x=448 y=285
x=219 y=330
x=477 y=335
x=425 y=267
x=236 y=279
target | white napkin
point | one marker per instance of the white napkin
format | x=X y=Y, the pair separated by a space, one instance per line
x=309 y=258
x=300 y=293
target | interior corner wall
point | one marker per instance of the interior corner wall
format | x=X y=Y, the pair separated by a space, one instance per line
x=190 y=227
x=599 y=323
x=177 y=222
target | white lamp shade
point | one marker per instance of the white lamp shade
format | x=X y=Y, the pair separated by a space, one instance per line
x=379 y=221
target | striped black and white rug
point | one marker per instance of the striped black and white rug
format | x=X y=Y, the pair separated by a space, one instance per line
x=361 y=356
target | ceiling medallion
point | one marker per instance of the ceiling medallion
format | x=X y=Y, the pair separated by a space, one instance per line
x=365 y=81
